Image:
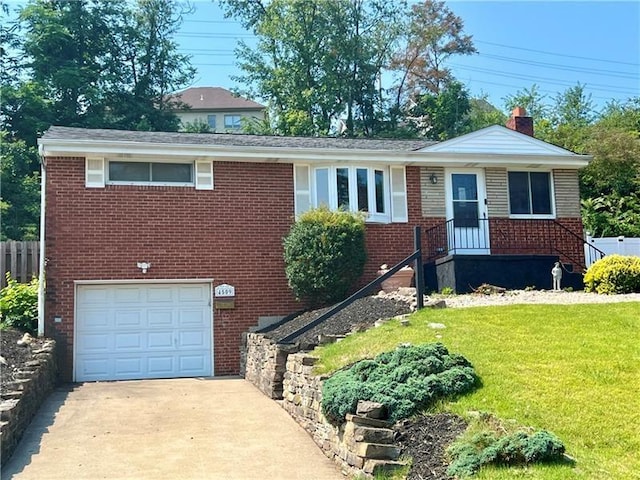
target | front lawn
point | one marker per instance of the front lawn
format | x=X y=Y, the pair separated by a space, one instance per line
x=570 y=369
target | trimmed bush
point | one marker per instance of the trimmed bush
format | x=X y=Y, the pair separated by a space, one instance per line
x=19 y=305
x=613 y=274
x=406 y=380
x=518 y=448
x=324 y=254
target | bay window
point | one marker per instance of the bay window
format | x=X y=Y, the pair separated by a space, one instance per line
x=377 y=191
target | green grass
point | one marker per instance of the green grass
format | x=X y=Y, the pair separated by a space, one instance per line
x=570 y=369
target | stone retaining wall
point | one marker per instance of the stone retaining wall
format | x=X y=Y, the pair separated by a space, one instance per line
x=361 y=445
x=263 y=363
x=23 y=397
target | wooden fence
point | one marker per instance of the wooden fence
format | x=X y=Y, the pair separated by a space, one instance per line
x=21 y=259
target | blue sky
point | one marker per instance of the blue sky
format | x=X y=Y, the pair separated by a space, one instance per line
x=552 y=44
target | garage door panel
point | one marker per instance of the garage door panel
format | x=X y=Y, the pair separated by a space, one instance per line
x=128 y=318
x=160 y=294
x=95 y=342
x=151 y=331
x=128 y=367
x=193 y=293
x=191 y=363
x=96 y=319
x=193 y=339
x=128 y=341
x=161 y=365
x=93 y=295
x=164 y=340
x=159 y=318
x=192 y=317
x=127 y=294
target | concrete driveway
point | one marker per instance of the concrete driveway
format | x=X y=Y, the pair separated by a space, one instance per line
x=166 y=429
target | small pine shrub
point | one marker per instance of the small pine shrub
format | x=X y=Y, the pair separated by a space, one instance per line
x=19 y=305
x=406 y=380
x=613 y=274
x=489 y=446
x=324 y=255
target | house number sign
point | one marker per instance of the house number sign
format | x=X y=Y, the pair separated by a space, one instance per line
x=225 y=290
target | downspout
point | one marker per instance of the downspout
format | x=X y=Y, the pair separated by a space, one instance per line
x=41 y=278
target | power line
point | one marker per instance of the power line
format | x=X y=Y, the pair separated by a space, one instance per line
x=557 y=54
x=570 y=68
x=594 y=86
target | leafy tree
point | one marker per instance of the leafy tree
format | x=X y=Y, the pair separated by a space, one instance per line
x=532 y=101
x=433 y=34
x=107 y=64
x=482 y=114
x=441 y=116
x=316 y=60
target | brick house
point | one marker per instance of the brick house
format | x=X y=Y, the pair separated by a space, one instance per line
x=147 y=234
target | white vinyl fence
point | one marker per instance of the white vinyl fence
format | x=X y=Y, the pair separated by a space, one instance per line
x=613 y=245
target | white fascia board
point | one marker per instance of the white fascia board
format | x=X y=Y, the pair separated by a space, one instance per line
x=506 y=160
x=82 y=148
x=54 y=148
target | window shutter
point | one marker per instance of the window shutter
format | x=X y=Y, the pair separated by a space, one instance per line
x=301 y=185
x=204 y=175
x=398 y=195
x=94 y=172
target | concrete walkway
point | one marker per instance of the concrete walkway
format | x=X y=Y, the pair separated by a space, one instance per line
x=166 y=429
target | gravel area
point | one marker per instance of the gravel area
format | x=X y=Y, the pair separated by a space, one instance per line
x=360 y=315
x=511 y=297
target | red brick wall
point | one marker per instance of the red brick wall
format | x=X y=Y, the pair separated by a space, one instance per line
x=232 y=234
x=511 y=236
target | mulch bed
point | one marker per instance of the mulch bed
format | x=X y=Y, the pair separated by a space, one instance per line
x=360 y=315
x=425 y=439
x=15 y=355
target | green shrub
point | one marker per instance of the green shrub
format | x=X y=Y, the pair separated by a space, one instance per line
x=19 y=305
x=468 y=455
x=324 y=254
x=406 y=380
x=613 y=274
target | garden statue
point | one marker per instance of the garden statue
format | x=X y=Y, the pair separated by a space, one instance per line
x=556 y=273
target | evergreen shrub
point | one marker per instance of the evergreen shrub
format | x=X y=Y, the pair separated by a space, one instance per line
x=613 y=274
x=406 y=380
x=324 y=255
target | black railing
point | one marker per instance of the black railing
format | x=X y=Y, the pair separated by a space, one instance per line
x=415 y=258
x=509 y=236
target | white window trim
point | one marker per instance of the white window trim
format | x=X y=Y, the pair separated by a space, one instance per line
x=533 y=216
x=371 y=217
x=108 y=181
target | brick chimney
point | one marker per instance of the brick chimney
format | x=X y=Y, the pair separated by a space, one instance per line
x=520 y=122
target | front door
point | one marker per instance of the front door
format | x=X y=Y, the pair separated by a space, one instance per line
x=467 y=223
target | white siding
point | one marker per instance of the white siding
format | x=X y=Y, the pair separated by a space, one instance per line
x=432 y=196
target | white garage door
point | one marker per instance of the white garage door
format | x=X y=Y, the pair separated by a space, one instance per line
x=134 y=331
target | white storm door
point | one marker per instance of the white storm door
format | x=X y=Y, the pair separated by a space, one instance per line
x=143 y=330
x=467 y=222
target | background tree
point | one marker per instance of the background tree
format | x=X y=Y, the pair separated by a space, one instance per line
x=433 y=34
x=441 y=116
x=85 y=63
x=316 y=60
x=483 y=114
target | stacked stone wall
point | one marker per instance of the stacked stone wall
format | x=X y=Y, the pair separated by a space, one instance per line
x=23 y=397
x=263 y=363
x=361 y=445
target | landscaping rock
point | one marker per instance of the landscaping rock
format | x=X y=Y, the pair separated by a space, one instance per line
x=369 y=409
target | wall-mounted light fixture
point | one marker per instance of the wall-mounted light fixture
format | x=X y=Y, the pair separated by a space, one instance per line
x=433 y=178
x=144 y=266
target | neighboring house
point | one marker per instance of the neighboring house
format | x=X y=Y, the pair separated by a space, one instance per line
x=142 y=227
x=217 y=107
